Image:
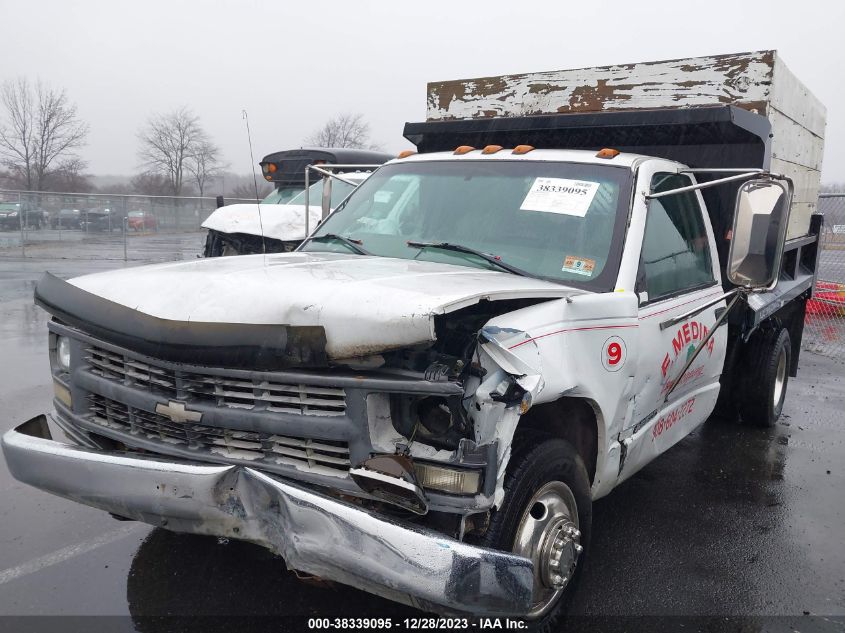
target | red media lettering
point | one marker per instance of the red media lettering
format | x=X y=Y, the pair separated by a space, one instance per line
x=687 y=334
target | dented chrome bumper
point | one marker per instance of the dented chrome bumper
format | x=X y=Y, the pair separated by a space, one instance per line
x=314 y=533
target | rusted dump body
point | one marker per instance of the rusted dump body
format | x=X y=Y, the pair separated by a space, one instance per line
x=757 y=81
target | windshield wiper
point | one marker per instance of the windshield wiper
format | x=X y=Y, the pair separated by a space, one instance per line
x=354 y=244
x=448 y=246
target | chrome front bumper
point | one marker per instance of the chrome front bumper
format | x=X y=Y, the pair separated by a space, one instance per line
x=314 y=533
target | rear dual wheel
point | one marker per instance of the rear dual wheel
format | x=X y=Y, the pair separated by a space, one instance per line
x=765 y=377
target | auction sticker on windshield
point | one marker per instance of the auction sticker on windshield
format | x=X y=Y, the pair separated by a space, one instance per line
x=560 y=195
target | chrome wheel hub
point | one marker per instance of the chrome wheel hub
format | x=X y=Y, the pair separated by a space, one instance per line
x=560 y=554
x=548 y=535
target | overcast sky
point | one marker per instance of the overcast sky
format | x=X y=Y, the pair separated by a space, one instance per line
x=292 y=65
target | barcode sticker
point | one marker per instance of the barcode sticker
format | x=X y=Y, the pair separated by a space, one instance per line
x=560 y=195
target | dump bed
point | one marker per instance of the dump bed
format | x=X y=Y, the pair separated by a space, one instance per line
x=600 y=101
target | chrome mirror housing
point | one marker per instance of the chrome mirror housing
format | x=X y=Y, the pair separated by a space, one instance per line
x=759 y=231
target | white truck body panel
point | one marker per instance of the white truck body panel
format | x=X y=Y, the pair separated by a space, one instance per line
x=757 y=81
x=285 y=222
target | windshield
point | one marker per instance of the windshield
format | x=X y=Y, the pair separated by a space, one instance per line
x=560 y=221
x=282 y=195
x=315 y=193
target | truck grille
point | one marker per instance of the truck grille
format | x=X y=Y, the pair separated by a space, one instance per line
x=235 y=393
x=322 y=456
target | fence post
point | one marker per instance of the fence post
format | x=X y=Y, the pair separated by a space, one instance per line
x=21 y=220
x=125 y=224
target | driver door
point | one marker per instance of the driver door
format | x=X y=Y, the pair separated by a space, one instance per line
x=678 y=273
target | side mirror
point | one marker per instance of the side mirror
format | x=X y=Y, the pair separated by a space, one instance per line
x=327 y=196
x=759 y=232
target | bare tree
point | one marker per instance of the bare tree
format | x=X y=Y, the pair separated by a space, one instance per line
x=41 y=127
x=344 y=130
x=204 y=164
x=246 y=190
x=169 y=143
x=70 y=176
x=150 y=184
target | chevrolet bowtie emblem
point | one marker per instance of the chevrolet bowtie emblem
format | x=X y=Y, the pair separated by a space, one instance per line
x=177 y=412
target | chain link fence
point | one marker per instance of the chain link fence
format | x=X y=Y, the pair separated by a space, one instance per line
x=824 y=327
x=52 y=225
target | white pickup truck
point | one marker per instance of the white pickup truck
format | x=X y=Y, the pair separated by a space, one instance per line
x=425 y=398
x=280 y=222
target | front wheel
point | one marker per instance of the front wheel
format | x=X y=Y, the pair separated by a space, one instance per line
x=545 y=517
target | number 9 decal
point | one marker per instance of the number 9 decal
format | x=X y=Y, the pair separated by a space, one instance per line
x=613 y=354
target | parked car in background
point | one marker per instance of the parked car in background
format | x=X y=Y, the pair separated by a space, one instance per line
x=101 y=220
x=141 y=221
x=14 y=215
x=10 y=216
x=66 y=219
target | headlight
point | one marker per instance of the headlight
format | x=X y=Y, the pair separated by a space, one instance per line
x=63 y=353
x=452 y=480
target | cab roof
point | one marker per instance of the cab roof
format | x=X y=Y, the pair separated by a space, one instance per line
x=624 y=159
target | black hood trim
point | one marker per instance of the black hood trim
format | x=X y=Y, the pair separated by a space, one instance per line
x=233 y=345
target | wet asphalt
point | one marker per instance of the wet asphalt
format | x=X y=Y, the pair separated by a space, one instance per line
x=733 y=529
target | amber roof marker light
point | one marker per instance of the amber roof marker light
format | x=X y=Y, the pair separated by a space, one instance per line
x=406 y=153
x=491 y=149
x=522 y=149
x=608 y=153
x=463 y=149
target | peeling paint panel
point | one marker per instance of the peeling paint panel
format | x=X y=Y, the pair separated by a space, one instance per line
x=739 y=79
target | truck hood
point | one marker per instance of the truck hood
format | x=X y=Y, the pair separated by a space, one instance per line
x=279 y=221
x=366 y=305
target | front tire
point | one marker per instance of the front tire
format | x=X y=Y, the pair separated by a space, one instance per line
x=766 y=375
x=546 y=517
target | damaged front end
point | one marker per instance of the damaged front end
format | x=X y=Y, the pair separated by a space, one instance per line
x=258 y=432
x=314 y=533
